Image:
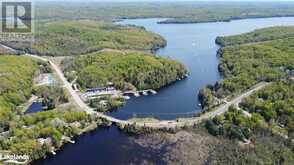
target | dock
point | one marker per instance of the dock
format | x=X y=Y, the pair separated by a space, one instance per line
x=139 y=93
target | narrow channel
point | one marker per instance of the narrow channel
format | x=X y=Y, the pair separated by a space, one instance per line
x=192 y=44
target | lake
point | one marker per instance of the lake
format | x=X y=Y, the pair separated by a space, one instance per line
x=34 y=107
x=102 y=146
x=193 y=45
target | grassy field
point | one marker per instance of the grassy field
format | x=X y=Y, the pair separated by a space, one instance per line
x=66 y=38
x=178 y=12
x=127 y=70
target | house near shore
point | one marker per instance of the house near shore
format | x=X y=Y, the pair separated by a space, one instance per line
x=45 y=79
x=45 y=141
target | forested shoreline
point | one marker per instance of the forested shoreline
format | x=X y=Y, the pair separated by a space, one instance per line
x=37 y=134
x=123 y=61
x=176 y=12
x=126 y=70
x=69 y=38
x=264 y=119
x=94 y=53
x=262 y=55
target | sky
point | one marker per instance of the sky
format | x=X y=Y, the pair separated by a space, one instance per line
x=181 y=0
x=168 y=0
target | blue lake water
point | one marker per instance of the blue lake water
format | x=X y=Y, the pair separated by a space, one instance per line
x=35 y=107
x=192 y=44
x=103 y=146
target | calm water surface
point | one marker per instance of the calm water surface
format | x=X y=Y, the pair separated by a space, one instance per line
x=35 y=107
x=100 y=147
x=193 y=45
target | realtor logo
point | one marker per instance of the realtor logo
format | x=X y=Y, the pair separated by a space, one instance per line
x=16 y=17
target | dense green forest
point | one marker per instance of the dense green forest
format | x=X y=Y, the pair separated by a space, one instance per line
x=16 y=83
x=127 y=70
x=259 y=35
x=178 y=12
x=271 y=108
x=264 y=120
x=269 y=129
x=275 y=104
x=16 y=80
x=24 y=131
x=66 y=38
x=270 y=58
x=52 y=96
x=20 y=132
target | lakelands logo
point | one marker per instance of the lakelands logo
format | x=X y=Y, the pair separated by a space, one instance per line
x=16 y=21
x=7 y=158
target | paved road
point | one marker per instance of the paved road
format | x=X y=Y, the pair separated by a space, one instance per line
x=192 y=121
x=223 y=108
x=81 y=104
x=66 y=84
x=152 y=124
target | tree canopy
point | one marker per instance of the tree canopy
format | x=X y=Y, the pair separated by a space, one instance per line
x=126 y=70
x=67 y=38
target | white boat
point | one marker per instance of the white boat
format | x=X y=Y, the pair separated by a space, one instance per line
x=145 y=93
x=127 y=97
x=153 y=92
x=136 y=94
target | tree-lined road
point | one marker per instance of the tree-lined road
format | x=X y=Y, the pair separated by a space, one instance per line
x=152 y=124
x=219 y=111
x=68 y=86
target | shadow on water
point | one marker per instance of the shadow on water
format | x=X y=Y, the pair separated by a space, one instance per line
x=192 y=44
x=102 y=146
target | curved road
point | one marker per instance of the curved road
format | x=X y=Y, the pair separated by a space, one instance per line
x=192 y=121
x=81 y=104
x=152 y=124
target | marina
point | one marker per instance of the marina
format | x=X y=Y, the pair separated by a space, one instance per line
x=172 y=102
